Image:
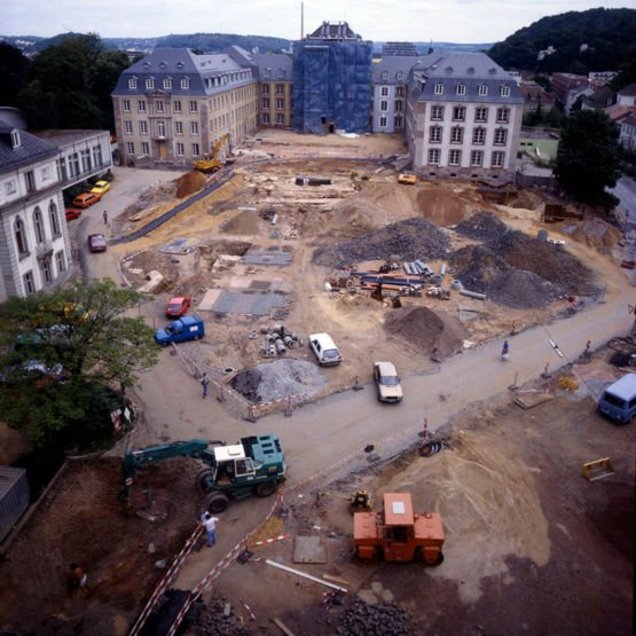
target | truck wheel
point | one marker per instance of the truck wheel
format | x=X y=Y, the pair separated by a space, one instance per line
x=205 y=480
x=217 y=502
x=266 y=489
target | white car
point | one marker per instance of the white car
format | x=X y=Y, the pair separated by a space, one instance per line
x=325 y=349
x=387 y=381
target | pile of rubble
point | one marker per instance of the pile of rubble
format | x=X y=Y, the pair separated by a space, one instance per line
x=220 y=620
x=363 y=619
x=412 y=239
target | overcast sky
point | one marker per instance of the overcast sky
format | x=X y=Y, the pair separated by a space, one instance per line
x=467 y=21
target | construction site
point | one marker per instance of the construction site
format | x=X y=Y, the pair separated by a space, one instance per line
x=307 y=234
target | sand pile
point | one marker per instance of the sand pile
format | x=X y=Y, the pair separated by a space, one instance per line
x=189 y=183
x=426 y=330
x=442 y=207
x=245 y=222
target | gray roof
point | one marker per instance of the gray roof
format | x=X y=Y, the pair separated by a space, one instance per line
x=628 y=91
x=333 y=31
x=470 y=69
x=177 y=64
x=392 y=65
x=275 y=62
x=30 y=151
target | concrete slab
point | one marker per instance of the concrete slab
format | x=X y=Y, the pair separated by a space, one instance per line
x=178 y=246
x=308 y=549
x=208 y=300
x=240 y=282
x=273 y=256
x=247 y=304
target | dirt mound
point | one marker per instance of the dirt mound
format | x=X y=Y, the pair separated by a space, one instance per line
x=246 y=383
x=523 y=290
x=594 y=232
x=189 y=183
x=442 y=207
x=245 y=222
x=427 y=330
x=483 y=226
x=410 y=239
x=476 y=267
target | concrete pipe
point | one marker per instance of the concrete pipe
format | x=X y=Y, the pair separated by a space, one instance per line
x=472 y=294
x=456 y=284
x=280 y=346
x=407 y=268
x=436 y=279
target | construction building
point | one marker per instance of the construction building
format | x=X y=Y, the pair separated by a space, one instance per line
x=332 y=81
x=275 y=81
x=463 y=118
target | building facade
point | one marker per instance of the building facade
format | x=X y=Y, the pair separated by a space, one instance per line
x=464 y=116
x=275 y=89
x=172 y=106
x=390 y=77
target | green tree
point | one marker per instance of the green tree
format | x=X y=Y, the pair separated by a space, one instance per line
x=13 y=69
x=588 y=160
x=85 y=329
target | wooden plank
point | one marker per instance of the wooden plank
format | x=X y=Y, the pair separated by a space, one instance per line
x=335 y=579
x=530 y=400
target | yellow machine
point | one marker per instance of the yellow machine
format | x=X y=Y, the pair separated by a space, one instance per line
x=211 y=162
x=407 y=178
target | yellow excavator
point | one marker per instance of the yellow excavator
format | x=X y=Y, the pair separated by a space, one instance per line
x=211 y=162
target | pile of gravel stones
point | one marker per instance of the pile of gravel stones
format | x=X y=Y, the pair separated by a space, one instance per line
x=381 y=619
x=212 y=621
x=409 y=239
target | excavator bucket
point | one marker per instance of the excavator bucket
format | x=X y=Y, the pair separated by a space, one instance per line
x=598 y=469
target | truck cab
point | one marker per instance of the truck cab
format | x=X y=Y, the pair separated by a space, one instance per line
x=181 y=330
x=618 y=400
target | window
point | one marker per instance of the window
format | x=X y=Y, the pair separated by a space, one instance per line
x=385 y=75
x=435 y=134
x=141 y=106
x=437 y=113
x=128 y=128
x=398 y=105
x=454 y=157
x=159 y=107
x=459 y=113
x=265 y=89
x=479 y=136
x=161 y=129
x=461 y=89
x=382 y=122
x=501 y=135
x=194 y=107
x=457 y=135
x=399 y=75
x=178 y=128
x=281 y=73
x=481 y=114
x=126 y=105
x=397 y=122
x=483 y=90
x=280 y=118
x=477 y=158
x=265 y=102
x=503 y=115
x=498 y=159
x=399 y=91
x=167 y=83
x=29 y=178
x=130 y=148
x=20 y=237
x=73 y=164
x=280 y=89
x=47 y=272
x=384 y=105
x=265 y=118
x=180 y=149
x=177 y=106
x=505 y=91
x=16 y=139
x=46 y=173
x=85 y=156
x=38 y=226
x=185 y=83
x=145 y=148
x=280 y=103
x=195 y=150
x=132 y=83
x=29 y=283
x=60 y=261
x=97 y=155
x=267 y=73
x=434 y=155
x=384 y=91
x=143 y=127
x=439 y=89
x=55 y=219
x=150 y=83
x=194 y=127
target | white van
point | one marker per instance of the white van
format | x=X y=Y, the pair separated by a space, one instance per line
x=618 y=400
x=324 y=349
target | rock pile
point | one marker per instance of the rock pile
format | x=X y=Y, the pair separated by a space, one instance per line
x=382 y=619
x=214 y=622
x=410 y=239
x=483 y=226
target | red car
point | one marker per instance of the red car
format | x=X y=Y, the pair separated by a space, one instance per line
x=178 y=306
x=96 y=243
x=72 y=213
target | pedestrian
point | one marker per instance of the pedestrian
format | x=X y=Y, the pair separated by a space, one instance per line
x=505 y=350
x=209 y=523
x=204 y=383
x=105 y=217
x=80 y=579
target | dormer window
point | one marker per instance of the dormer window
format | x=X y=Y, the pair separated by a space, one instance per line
x=399 y=75
x=281 y=73
x=505 y=91
x=185 y=83
x=132 y=83
x=461 y=89
x=439 y=89
x=16 y=139
x=483 y=90
x=167 y=83
x=150 y=83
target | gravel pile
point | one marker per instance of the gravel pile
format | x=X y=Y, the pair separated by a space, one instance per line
x=382 y=619
x=483 y=226
x=279 y=379
x=477 y=267
x=523 y=290
x=409 y=239
x=213 y=622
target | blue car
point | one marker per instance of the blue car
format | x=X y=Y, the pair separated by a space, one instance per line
x=186 y=328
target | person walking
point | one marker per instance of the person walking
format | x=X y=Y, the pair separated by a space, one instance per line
x=105 y=217
x=205 y=383
x=80 y=579
x=209 y=524
x=505 y=351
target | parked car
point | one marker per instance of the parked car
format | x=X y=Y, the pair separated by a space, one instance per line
x=185 y=328
x=72 y=213
x=96 y=243
x=387 y=382
x=324 y=349
x=86 y=199
x=100 y=187
x=178 y=306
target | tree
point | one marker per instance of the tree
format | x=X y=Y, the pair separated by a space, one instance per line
x=589 y=157
x=85 y=329
x=13 y=69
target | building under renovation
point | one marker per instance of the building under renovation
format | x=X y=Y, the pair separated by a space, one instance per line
x=332 y=81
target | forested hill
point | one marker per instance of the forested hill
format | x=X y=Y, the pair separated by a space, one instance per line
x=594 y=40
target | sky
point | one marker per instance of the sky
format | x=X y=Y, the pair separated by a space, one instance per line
x=461 y=21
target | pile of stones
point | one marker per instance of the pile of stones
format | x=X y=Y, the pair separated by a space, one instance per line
x=382 y=619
